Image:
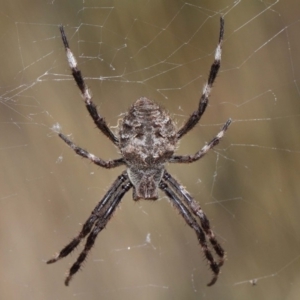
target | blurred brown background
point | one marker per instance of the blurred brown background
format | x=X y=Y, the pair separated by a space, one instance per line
x=248 y=186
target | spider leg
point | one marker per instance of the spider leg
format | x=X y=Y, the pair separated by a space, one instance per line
x=196 y=115
x=191 y=158
x=87 y=227
x=191 y=221
x=102 y=220
x=85 y=92
x=197 y=211
x=96 y=160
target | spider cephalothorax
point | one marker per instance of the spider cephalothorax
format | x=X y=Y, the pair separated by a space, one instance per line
x=147 y=140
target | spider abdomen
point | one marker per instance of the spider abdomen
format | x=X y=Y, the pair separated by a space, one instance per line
x=147 y=134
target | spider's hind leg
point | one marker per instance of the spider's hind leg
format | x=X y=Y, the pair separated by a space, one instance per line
x=100 y=224
x=88 y=225
x=191 y=221
x=198 y=212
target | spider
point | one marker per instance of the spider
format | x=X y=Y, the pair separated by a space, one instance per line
x=147 y=139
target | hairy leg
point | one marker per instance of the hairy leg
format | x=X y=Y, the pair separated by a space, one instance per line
x=88 y=225
x=196 y=115
x=191 y=158
x=191 y=221
x=85 y=92
x=96 y=160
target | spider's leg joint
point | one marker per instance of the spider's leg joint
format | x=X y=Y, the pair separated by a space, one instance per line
x=71 y=59
x=206 y=90
x=218 y=53
x=87 y=96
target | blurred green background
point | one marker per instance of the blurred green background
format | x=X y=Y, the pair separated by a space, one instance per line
x=248 y=186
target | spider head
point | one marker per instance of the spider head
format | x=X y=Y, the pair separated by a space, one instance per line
x=145 y=182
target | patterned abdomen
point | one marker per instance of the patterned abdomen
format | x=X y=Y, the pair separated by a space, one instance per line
x=147 y=134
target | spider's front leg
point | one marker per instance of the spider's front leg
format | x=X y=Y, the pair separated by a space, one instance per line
x=196 y=115
x=85 y=92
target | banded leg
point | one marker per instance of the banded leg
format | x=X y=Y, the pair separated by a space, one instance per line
x=197 y=211
x=99 y=226
x=191 y=221
x=85 y=92
x=196 y=115
x=191 y=158
x=88 y=225
x=96 y=160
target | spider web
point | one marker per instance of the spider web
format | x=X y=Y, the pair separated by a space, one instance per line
x=248 y=185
